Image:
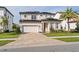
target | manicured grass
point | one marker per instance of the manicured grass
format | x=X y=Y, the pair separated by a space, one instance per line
x=75 y=39
x=3 y=42
x=61 y=34
x=8 y=35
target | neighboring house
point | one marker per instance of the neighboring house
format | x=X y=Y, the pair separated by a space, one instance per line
x=64 y=25
x=4 y=12
x=38 y=22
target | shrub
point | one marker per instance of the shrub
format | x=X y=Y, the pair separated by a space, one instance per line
x=72 y=30
x=6 y=31
x=77 y=28
x=18 y=30
x=1 y=30
x=60 y=31
x=14 y=26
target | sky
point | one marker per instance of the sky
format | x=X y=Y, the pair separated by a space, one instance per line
x=16 y=9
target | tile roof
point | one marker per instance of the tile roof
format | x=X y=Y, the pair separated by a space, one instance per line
x=36 y=12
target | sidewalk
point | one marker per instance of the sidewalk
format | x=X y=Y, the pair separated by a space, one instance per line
x=9 y=39
x=63 y=36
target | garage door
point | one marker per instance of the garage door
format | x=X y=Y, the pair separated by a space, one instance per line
x=30 y=29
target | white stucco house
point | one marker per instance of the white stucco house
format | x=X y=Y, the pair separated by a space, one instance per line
x=44 y=22
x=64 y=25
x=5 y=12
x=38 y=22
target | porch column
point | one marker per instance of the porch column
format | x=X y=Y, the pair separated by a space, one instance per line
x=43 y=27
x=49 y=26
x=21 y=28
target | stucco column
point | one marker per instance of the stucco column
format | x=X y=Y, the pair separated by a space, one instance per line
x=21 y=28
x=42 y=26
x=49 y=26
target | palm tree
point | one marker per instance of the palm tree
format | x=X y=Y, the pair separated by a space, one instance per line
x=69 y=14
x=5 y=22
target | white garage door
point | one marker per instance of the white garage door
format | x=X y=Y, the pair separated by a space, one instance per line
x=30 y=29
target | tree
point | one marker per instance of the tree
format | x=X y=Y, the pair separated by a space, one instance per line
x=1 y=28
x=16 y=28
x=69 y=14
x=5 y=22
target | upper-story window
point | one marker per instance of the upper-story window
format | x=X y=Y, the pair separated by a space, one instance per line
x=33 y=17
x=45 y=15
x=41 y=15
x=8 y=17
x=25 y=16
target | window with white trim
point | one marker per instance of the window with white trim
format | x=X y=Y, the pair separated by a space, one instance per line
x=33 y=17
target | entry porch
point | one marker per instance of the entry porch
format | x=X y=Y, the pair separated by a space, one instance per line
x=50 y=24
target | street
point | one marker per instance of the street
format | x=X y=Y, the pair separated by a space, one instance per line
x=58 y=48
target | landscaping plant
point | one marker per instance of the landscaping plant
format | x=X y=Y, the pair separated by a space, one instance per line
x=77 y=28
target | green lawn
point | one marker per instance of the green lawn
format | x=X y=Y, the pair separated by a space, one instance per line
x=75 y=39
x=8 y=35
x=61 y=34
x=3 y=42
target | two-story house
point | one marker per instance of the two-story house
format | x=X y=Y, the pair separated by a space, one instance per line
x=4 y=12
x=64 y=22
x=38 y=22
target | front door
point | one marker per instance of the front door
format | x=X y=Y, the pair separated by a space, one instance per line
x=45 y=27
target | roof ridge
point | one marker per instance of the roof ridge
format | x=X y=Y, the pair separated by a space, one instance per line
x=7 y=10
x=38 y=12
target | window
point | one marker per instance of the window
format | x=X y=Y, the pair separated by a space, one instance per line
x=25 y=16
x=33 y=17
x=57 y=25
x=45 y=15
x=40 y=15
x=4 y=14
x=8 y=17
x=50 y=16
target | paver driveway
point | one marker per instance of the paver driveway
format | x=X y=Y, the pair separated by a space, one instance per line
x=32 y=39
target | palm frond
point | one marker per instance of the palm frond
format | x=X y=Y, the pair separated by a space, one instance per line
x=69 y=13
